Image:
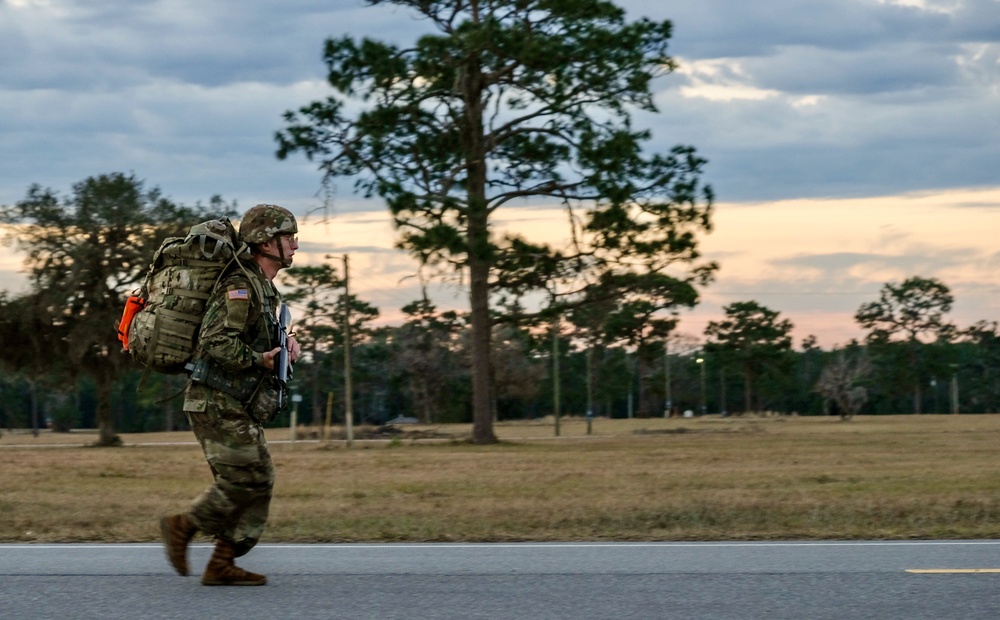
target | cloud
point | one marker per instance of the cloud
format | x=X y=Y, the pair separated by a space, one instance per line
x=726 y=29
x=857 y=270
x=111 y=44
x=835 y=99
x=763 y=142
x=826 y=98
x=809 y=70
x=975 y=20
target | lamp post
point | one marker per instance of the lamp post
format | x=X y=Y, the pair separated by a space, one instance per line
x=701 y=363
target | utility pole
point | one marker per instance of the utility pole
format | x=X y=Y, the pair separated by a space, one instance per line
x=722 y=391
x=701 y=363
x=590 y=389
x=632 y=366
x=329 y=416
x=668 y=402
x=555 y=373
x=348 y=393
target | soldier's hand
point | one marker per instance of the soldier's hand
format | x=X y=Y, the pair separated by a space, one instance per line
x=269 y=357
x=293 y=349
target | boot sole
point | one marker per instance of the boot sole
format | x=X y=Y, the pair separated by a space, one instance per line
x=234 y=583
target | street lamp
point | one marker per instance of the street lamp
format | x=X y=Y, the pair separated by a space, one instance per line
x=701 y=364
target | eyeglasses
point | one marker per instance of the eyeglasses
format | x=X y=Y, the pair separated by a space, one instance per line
x=292 y=239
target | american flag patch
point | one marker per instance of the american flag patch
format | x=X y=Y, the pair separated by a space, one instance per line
x=239 y=293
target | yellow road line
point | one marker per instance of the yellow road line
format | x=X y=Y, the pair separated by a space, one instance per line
x=953 y=570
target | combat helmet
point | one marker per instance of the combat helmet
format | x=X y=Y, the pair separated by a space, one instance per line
x=261 y=223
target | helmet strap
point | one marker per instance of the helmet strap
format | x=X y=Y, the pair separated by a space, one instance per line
x=281 y=259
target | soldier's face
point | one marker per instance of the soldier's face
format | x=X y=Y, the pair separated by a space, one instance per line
x=289 y=243
x=281 y=246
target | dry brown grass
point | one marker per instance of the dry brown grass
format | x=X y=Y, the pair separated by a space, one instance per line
x=702 y=479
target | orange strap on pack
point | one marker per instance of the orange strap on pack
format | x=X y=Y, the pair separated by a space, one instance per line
x=132 y=305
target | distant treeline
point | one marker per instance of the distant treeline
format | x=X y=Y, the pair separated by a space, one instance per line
x=420 y=370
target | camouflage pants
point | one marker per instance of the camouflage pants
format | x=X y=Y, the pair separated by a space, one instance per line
x=235 y=506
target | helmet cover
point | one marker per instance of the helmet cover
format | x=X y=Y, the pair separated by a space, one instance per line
x=263 y=222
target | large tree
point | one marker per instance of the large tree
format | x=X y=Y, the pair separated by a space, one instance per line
x=911 y=314
x=84 y=254
x=510 y=100
x=754 y=338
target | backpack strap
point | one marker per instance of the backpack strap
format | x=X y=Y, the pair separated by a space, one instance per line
x=251 y=278
x=219 y=245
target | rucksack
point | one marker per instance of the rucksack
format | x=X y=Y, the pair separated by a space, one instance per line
x=160 y=323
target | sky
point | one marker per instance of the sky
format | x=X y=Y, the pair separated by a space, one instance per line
x=850 y=143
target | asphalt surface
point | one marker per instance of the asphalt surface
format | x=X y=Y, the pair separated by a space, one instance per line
x=767 y=580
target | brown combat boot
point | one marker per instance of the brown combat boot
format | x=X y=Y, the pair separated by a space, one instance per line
x=221 y=571
x=177 y=532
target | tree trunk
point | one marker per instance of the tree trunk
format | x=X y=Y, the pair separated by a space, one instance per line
x=747 y=391
x=34 y=408
x=105 y=424
x=168 y=416
x=315 y=393
x=915 y=366
x=425 y=399
x=479 y=253
x=642 y=390
x=479 y=293
x=482 y=414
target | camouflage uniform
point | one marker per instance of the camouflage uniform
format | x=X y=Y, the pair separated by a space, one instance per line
x=230 y=398
x=228 y=407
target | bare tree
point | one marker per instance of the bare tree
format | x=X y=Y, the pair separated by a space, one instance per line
x=841 y=382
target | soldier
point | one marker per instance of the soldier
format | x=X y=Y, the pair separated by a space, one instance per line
x=232 y=394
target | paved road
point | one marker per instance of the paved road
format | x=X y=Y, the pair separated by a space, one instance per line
x=865 y=580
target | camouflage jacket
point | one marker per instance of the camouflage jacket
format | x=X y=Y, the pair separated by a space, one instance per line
x=240 y=321
x=240 y=325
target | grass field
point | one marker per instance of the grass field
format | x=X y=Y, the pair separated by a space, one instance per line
x=878 y=477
